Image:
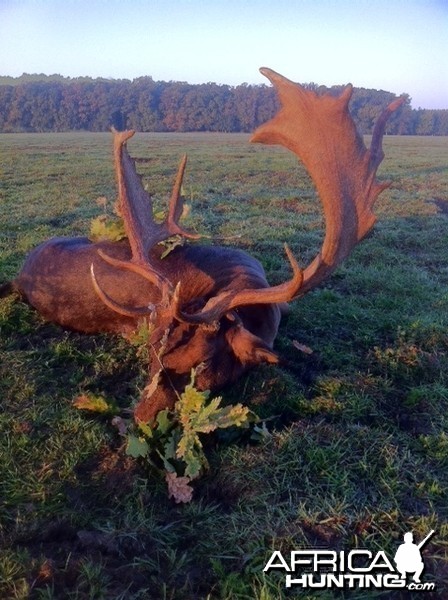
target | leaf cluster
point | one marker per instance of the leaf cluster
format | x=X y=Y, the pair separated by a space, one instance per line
x=195 y=415
x=174 y=437
x=105 y=228
x=172 y=443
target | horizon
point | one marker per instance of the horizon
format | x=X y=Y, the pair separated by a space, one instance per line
x=112 y=79
x=397 y=47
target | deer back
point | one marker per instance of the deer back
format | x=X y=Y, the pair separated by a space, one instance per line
x=56 y=280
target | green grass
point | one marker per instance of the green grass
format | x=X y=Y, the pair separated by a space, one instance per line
x=358 y=451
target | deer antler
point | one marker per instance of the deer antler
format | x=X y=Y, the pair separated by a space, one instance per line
x=135 y=206
x=143 y=233
x=321 y=132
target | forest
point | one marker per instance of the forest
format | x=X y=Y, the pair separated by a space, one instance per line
x=40 y=103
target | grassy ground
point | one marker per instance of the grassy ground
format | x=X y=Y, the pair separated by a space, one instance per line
x=358 y=451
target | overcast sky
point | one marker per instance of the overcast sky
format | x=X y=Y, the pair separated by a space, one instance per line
x=394 y=45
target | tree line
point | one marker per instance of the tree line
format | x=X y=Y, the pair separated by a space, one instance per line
x=38 y=103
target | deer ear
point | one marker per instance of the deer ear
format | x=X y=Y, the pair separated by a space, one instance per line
x=248 y=348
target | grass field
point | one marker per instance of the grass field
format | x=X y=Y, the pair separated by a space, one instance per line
x=358 y=447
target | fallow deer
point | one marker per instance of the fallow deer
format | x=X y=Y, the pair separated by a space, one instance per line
x=208 y=307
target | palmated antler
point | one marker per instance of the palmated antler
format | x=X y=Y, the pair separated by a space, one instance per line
x=143 y=232
x=321 y=132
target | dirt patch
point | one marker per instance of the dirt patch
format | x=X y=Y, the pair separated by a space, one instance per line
x=111 y=469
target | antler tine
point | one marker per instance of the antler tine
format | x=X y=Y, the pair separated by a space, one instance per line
x=376 y=146
x=126 y=311
x=176 y=205
x=152 y=276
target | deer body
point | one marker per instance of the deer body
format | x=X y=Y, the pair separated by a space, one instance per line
x=209 y=308
x=56 y=281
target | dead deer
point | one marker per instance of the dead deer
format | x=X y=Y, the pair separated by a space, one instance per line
x=209 y=307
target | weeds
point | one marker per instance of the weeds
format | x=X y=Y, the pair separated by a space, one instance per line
x=172 y=444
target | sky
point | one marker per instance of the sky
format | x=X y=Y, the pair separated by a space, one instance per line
x=396 y=45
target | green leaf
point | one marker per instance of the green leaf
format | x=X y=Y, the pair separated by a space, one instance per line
x=137 y=446
x=146 y=429
x=93 y=403
x=170 y=446
x=196 y=414
x=189 y=449
x=195 y=464
x=104 y=228
x=141 y=336
x=170 y=244
x=174 y=435
x=190 y=402
x=164 y=422
x=231 y=416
